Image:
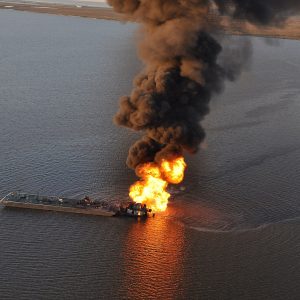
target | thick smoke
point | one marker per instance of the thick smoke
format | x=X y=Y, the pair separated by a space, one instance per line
x=182 y=69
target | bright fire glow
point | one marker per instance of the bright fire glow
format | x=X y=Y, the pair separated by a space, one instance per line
x=151 y=189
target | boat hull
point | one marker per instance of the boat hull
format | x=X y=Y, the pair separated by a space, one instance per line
x=84 y=211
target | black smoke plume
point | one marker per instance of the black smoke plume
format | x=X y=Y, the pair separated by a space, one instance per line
x=171 y=95
x=262 y=12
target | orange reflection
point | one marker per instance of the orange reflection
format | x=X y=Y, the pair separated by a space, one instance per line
x=153 y=259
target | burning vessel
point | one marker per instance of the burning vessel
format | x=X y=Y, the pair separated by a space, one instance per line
x=85 y=206
x=134 y=209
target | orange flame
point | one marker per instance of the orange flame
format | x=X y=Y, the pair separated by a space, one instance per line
x=151 y=189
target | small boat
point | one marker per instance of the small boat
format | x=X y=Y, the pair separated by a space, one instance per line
x=134 y=209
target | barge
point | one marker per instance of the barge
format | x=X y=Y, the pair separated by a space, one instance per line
x=85 y=206
x=54 y=203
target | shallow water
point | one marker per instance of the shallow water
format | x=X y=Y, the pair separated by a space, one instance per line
x=232 y=228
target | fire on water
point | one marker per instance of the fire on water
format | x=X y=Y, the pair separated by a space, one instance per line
x=151 y=189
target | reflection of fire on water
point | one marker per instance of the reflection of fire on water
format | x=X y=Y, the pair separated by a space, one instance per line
x=155 y=177
x=153 y=255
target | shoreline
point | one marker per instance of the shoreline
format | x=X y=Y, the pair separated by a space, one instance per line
x=291 y=30
x=101 y=13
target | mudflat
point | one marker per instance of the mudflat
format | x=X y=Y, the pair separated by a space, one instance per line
x=66 y=10
x=289 y=30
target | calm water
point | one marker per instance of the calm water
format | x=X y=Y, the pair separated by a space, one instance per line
x=232 y=229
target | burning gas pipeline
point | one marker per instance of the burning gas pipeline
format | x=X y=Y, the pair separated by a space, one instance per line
x=171 y=94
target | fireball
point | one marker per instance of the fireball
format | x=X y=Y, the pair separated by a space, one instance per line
x=151 y=189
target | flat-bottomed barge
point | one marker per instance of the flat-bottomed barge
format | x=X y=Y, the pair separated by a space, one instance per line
x=54 y=203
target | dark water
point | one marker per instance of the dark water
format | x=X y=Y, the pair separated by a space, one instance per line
x=232 y=229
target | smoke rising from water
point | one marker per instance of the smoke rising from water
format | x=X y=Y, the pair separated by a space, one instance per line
x=183 y=68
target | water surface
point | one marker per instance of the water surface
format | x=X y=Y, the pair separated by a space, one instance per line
x=232 y=228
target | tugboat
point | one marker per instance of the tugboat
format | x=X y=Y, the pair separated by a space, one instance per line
x=134 y=209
